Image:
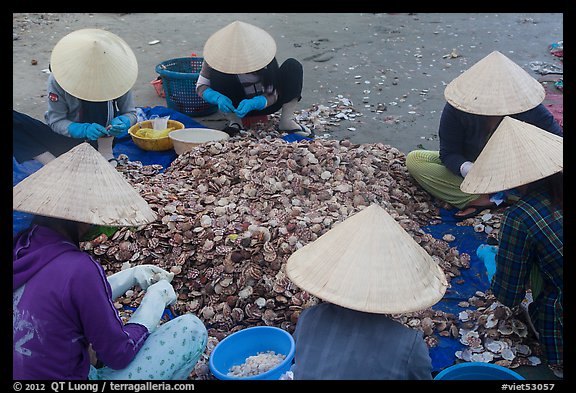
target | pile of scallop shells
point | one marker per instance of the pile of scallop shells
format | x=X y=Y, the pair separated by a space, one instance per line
x=486 y=221
x=492 y=333
x=320 y=118
x=231 y=213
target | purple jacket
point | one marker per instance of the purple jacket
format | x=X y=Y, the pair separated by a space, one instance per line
x=62 y=303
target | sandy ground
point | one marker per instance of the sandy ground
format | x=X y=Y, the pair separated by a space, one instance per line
x=393 y=67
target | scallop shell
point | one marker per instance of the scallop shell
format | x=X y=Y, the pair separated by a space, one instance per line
x=414 y=322
x=484 y=357
x=465 y=355
x=523 y=350
x=519 y=328
x=505 y=328
x=463 y=316
x=507 y=354
x=494 y=345
x=448 y=237
x=472 y=339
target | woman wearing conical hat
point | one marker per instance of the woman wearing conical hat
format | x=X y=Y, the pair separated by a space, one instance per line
x=530 y=252
x=89 y=98
x=240 y=74
x=477 y=100
x=63 y=301
x=364 y=269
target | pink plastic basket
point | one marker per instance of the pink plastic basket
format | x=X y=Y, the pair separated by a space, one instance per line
x=157 y=84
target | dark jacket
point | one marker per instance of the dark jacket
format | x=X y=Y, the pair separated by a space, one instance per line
x=463 y=135
x=334 y=342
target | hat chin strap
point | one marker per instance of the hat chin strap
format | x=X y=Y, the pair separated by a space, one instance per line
x=45 y=157
x=105 y=147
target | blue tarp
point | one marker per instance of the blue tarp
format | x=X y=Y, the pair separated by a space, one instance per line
x=466 y=239
x=461 y=288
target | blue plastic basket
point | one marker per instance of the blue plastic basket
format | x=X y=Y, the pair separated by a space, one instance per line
x=478 y=371
x=179 y=77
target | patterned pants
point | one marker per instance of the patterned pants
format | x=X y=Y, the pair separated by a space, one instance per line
x=169 y=353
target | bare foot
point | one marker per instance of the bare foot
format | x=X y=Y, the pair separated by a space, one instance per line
x=475 y=207
x=466 y=211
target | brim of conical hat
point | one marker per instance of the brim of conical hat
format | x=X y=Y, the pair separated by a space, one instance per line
x=369 y=263
x=94 y=65
x=82 y=186
x=517 y=153
x=494 y=86
x=239 y=48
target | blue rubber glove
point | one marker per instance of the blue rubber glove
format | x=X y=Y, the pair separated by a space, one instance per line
x=487 y=254
x=213 y=97
x=119 y=125
x=245 y=106
x=92 y=131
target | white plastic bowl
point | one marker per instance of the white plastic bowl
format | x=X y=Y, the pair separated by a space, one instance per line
x=187 y=138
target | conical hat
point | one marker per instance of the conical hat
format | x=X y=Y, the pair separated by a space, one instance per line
x=239 y=48
x=517 y=153
x=94 y=65
x=494 y=86
x=82 y=186
x=369 y=263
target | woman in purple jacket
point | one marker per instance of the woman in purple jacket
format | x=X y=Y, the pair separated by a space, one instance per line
x=63 y=302
x=477 y=101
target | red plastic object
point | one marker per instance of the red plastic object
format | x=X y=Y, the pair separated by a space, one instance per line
x=247 y=122
x=158 y=87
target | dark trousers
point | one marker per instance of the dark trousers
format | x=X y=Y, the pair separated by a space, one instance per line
x=288 y=84
x=31 y=137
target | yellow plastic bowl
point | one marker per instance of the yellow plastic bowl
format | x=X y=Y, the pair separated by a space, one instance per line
x=187 y=138
x=158 y=144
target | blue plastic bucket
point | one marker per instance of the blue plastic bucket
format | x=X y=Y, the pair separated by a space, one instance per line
x=478 y=371
x=237 y=347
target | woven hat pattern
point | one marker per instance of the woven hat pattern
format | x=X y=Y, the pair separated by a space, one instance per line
x=80 y=185
x=239 y=48
x=369 y=263
x=494 y=86
x=94 y=65
x=517 y=153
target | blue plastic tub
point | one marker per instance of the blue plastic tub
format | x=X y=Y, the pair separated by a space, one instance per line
x=237 y=347
x=478 y=371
